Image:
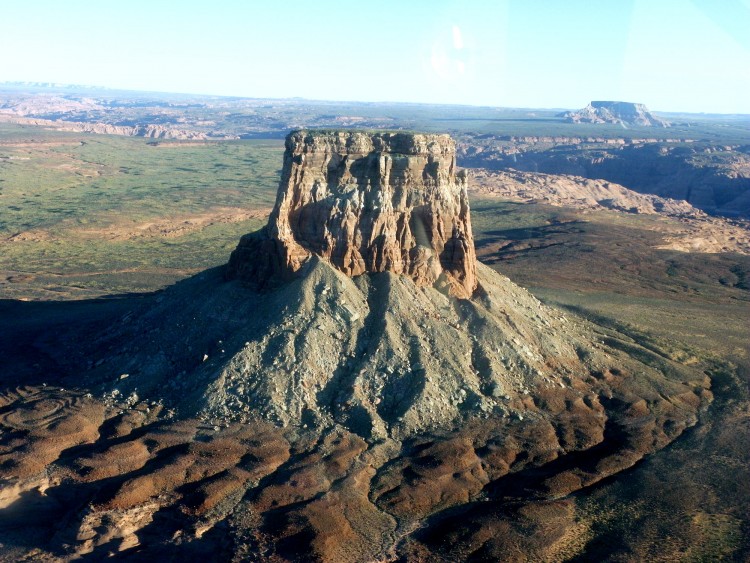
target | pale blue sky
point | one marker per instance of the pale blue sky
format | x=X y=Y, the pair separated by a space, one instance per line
x=672 y=55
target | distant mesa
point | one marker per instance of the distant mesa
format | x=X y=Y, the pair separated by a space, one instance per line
x=625 y=113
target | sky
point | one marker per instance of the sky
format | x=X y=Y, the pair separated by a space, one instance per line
x=672 y=55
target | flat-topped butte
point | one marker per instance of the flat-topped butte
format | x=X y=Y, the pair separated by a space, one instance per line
x=366 y=202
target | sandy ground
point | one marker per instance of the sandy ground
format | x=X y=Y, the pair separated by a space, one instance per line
x=692 y=231
x=161 y=228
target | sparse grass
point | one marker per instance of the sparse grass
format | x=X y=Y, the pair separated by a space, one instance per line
x=75 y=203
x=93 y=177
x=606 y=265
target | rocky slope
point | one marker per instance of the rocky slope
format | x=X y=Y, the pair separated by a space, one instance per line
x=357 y=323
x=694 y=231
x=318 y=407
x=715 y=179
x=574 y=191
x=626 y=113
x=30 y=106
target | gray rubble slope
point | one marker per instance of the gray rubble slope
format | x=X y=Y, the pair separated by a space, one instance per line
x=375 y=353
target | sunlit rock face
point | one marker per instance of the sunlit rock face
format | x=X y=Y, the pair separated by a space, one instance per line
x=615 y=112
x=366 y=202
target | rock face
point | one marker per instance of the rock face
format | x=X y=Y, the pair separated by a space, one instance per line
x=566 y=190
x=712 y=178
x=384 y=202
x=615 y=112
x=698 y=232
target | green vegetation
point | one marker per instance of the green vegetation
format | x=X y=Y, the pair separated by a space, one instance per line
x=95 y=208
x=52 y=177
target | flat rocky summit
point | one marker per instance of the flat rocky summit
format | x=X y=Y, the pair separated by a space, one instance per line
x=626 y=113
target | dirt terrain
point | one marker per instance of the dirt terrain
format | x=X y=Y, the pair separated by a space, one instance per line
x=711 y=176
x=692 y=229
x=119 y=229
x=376 y=417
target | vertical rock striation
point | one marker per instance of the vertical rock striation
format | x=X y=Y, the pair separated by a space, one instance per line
x=366 y=202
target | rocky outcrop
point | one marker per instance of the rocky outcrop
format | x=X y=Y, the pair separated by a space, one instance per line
x=575 y=192
x=384 y=202
x=693 y=231
x=712 y=178
x=147 y=130
x=615 y=112
x=377 y=317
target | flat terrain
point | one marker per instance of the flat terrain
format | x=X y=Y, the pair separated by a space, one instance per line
x=86 y=215
x=219 y=117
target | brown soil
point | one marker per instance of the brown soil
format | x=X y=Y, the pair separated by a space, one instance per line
x=117 y=473
x=161 y=228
